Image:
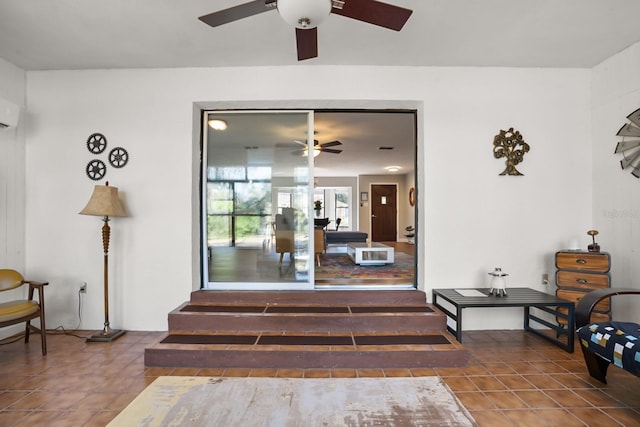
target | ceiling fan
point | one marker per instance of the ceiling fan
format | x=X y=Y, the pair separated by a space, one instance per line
x=306 y=15
x=318 y=148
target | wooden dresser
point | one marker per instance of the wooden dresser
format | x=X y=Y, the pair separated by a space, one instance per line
x=580 y=272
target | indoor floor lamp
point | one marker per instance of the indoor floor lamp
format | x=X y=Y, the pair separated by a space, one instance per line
x=104 y=202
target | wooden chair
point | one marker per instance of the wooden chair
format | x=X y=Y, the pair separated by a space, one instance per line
x=18 y=311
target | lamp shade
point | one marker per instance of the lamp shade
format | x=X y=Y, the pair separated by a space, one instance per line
x=104 y=202
x=305 y=14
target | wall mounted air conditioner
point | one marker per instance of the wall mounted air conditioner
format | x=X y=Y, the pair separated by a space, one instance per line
x=9 y=113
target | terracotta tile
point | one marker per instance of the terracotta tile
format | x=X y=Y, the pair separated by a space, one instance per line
x=290 y=373
x=625 y=416
x=515 y=382
x=460 y=384
x=487 y=382
x=543 y=382
x=593 y=417
x=370 y=373
x=397 y=372
x=536 y=399
x=559 y=418
x=523 y=417
x=317 y=373
x=237 y=372
x=499 y=368
x=9 y=418
x=491 y=419
x=474 y=400
x=598 y=398
x=505 y=400
x=423 y=372
x=39 y=418
x=265 y=373
x=210 y=372
x=567 y=398
x=344 y=373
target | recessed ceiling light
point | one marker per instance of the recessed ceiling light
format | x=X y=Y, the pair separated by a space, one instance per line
x=217 y=124
x=393 y=168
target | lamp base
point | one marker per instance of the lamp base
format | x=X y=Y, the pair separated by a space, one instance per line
x=103 y=336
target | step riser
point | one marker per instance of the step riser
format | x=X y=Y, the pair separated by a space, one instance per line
x=361 y=323
x=412 y=297
x=305 y=359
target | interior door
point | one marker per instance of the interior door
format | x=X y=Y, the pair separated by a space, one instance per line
x=384 y=213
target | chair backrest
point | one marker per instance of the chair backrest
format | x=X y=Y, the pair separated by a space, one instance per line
x=10 y=279
x=281 y=223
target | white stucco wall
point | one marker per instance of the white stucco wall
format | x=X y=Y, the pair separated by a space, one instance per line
x=12 y=173
x=471 y=220
x=616 y=193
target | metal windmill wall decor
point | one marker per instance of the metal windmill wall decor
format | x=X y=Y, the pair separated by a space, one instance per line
x=630 y=144
x=511 y=145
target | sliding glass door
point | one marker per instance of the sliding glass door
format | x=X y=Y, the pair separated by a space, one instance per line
x=257 y=230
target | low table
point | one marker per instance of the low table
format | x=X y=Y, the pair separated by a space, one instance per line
x=370 y=253
x=516 y=297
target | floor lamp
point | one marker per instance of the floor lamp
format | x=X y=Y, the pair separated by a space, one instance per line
x=104 y=202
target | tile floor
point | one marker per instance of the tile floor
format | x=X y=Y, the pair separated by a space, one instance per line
x=513 y=379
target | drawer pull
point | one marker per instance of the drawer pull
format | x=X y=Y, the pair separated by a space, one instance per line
x=581 y=261
x=582 y=281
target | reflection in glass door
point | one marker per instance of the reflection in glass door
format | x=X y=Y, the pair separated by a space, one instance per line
x=257 y=232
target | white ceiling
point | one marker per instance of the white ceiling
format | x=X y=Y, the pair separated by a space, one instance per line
x=86 y=34
x=99 y=34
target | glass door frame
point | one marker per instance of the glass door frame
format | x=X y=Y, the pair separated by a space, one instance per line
x=309 y=284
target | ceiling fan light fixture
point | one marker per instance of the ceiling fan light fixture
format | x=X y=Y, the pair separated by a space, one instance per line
x=217 y=124
x=304 y=14
x=316 y=152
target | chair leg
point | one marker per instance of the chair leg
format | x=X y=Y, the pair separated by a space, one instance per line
x=318 y=258
x=596 y=365
x=281 y=256
x=27 y=331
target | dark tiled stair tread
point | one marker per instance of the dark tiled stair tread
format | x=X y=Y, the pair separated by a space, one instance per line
x=194 y=308
x=342 y=340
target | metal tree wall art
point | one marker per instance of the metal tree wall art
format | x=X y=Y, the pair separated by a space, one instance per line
x=511 y=145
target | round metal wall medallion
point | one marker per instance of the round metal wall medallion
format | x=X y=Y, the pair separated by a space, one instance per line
x=96 y=169
x=118 y=157
x=96 y=143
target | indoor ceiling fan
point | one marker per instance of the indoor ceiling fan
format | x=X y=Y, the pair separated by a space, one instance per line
x=306 y=15
x=318 y=148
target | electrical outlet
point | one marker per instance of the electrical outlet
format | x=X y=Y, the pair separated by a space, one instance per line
x=83 y=287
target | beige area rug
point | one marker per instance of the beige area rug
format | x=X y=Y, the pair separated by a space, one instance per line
x=280 y=402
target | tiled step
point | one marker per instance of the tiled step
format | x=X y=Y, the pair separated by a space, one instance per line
x=316 y=318
x=326 y=297
x=299 y=350
x=307 y=329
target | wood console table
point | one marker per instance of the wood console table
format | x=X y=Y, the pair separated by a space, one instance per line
x=517 y=297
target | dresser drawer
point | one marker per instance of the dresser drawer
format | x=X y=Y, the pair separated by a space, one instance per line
x=593 y=261
x=575 y=296
x=581 y=280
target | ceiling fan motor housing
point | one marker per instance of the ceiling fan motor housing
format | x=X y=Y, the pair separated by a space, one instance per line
x=304 y=14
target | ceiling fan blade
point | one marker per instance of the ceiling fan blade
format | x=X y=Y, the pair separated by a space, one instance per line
x=330 y=150
x=307 y=43
x=375 y=12
x=331 y=144
x=238 y=12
